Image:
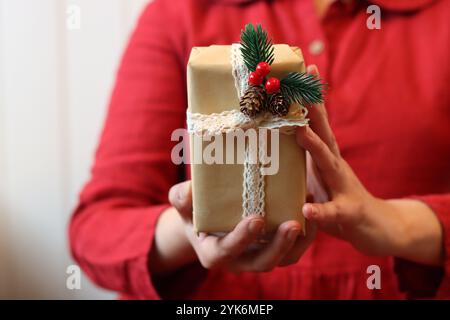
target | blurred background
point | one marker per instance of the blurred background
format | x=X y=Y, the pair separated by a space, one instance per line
x=58 y=59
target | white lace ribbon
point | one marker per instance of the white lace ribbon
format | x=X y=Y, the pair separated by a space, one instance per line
x=228 y=121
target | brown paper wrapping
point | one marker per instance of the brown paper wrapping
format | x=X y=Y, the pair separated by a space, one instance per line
x=217 y=188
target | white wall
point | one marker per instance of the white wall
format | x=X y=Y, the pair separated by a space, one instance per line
x=54 y=88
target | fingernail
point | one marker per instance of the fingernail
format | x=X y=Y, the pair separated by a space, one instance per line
x=255 y=226
x=308 y=211
x=183 y=190
x=292 y=234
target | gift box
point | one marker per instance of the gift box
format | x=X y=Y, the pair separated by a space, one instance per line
x=217 y=189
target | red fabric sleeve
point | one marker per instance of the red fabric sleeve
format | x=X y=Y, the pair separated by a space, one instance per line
x=112 y=228
x=420 y=281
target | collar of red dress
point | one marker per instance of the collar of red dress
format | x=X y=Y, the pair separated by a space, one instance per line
x=394 y=5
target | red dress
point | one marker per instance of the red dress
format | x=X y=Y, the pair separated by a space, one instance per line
x=389 y=106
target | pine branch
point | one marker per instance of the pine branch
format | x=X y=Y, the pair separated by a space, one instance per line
x=302 y=88
x=256 y=46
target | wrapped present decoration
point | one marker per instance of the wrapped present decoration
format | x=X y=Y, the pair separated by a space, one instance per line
x=253 y=85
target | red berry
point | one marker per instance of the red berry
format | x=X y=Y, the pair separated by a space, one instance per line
x=263 y=68
x=272 y=85
x=255 y=79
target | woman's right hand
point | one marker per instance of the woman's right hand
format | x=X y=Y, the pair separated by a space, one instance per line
x=232 y=251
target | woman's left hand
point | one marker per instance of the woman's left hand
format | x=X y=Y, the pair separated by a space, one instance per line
x=404 y=228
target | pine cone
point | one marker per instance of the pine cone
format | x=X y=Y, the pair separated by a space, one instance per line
x=278 y=105
x=253 y=101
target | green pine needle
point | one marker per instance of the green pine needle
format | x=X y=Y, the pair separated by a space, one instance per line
x=256 y=46
x=302 y=88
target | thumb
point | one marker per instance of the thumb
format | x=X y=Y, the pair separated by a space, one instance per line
x=180 y=196
x=322 y=213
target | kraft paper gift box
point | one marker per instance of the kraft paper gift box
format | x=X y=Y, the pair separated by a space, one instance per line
x=217 y=188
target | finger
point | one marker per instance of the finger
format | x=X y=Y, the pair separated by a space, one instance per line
x=269 y=257
x=325 y=213
x=314 y=182
x=300 y=245
x=328 y=163
x=235 y=242
x=214 y=251
x=319 y=118
x=180 y=196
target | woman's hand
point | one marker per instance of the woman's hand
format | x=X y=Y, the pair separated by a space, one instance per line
x=404 y=228
x=177 y=244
